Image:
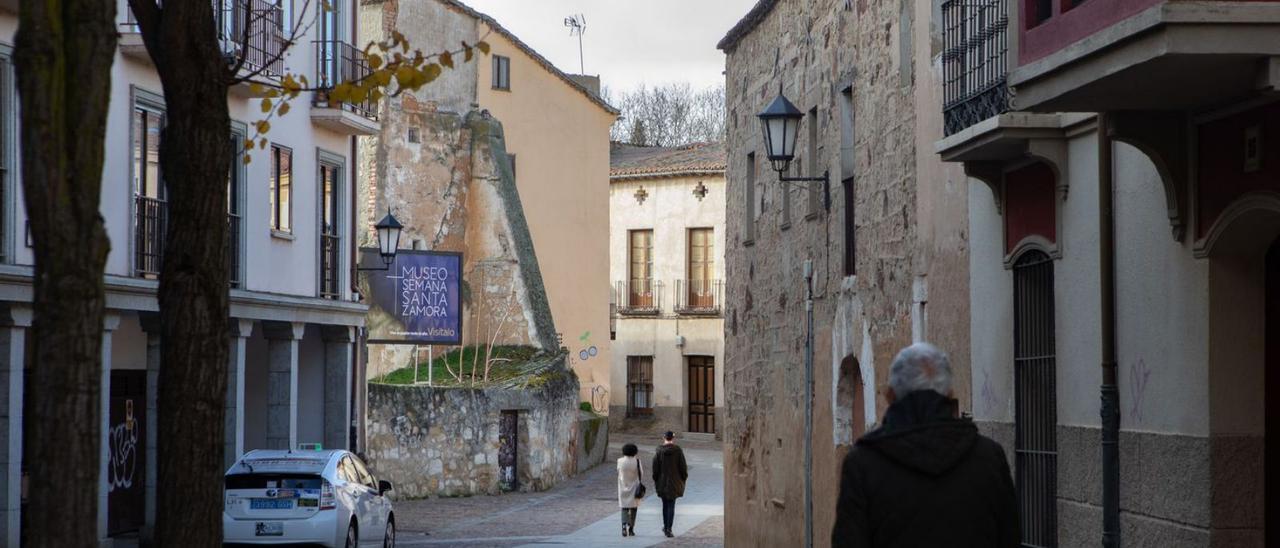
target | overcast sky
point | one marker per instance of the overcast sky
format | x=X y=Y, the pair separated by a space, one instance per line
x=627 y=41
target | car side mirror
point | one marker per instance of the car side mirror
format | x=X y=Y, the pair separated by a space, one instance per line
x=383 y=487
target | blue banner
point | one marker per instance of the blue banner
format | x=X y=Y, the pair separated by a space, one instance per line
x=418 y=300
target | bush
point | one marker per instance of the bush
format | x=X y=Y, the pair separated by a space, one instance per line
x=586 y=406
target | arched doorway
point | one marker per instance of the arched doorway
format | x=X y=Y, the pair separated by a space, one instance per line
x=1272 y=376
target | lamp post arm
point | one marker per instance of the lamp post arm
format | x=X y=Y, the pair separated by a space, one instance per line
x=825 y=179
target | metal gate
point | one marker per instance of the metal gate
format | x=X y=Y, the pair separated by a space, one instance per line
x=1036 y=418
x=126 y=475
x=508 y=450
x=702 y=394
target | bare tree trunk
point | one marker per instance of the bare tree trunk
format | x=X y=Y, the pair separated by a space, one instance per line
x=195 y=155
x=63 y=56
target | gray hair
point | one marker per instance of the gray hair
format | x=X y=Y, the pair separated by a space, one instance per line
x=920 y=366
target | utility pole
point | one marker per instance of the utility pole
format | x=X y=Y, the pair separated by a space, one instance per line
x=577 y=26
x=808 y=404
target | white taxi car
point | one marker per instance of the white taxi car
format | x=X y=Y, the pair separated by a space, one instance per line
x=313 y=497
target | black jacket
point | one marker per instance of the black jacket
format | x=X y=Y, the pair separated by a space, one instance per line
x=669 y=471
x=925 y=478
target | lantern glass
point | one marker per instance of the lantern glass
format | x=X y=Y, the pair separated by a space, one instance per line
x=388 y=237
x=779 y=124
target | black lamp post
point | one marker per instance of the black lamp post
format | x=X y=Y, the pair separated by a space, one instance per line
x=780 y=125
x=388 y=241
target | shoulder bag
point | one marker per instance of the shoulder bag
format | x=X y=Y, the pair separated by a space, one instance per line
x=640 y=489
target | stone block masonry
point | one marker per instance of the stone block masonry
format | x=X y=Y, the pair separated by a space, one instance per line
x=444 y=442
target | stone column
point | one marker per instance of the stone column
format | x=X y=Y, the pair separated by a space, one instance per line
x=151 y=326
x=14 y=323
x=240 y=331
x=337 y=386
x=282 y=383
x=109 y=324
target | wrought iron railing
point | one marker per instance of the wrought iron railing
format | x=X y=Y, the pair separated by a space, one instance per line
x=699 y=296
x=330 y=265
x=252 y=28
x=974 y=62
x=150 y=219
x=638 y=296
x=233 y=249
x=337 y=62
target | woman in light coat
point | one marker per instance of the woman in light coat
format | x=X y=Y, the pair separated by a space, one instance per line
x=629 y=476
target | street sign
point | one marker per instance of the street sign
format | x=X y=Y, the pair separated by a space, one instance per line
x=418 y=300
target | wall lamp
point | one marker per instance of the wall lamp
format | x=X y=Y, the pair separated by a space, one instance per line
x=388 y=242
x=780 y=124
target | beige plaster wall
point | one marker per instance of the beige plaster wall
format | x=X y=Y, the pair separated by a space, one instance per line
x=561 y=142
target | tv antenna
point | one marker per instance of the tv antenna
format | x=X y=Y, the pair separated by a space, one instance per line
x=577 y=26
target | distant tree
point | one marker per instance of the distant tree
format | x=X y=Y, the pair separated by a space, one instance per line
x=669 y=115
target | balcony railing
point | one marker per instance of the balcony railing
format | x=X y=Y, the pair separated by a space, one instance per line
x=150 y=220
x=330 y=265
x=233 y=249
x=699 y=297
x=639 y=296
x=975 y=61
x=337 y=62
x=252 y=28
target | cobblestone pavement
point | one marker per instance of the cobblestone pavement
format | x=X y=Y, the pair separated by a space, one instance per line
x=580 y=512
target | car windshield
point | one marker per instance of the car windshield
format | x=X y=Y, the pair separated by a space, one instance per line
x=274 y=481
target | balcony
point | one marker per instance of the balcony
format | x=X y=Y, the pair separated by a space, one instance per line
x=337 y=62
x=640 y=297
x=1165 y=55
x=253 y=29
x=699 y=297
x=150 y=222
x=974 y=61
x=330 y=266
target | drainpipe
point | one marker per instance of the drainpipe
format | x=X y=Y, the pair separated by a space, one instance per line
x=808 y=404
x=1110 y=392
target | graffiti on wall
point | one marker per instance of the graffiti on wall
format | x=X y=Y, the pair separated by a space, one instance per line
x=122 y=451
x=1139 y=375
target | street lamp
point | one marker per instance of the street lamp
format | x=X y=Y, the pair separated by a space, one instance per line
x=780 y=125
x=388 y=241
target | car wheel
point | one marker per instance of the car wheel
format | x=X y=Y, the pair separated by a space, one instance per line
x=389 y=537
x=353 y=539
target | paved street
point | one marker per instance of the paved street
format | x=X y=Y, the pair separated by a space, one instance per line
x=580 y=512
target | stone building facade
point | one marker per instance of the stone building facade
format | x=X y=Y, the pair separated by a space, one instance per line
x=666 y=258
x=887 y=240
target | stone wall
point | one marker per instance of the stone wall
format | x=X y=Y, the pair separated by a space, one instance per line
x=444 y=442
x=863 y=73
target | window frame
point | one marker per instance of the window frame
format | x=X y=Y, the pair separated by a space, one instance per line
x=273 y=191
x=637 y=367
x=749 y=203
x=9 y=153
x=814 y=207
x=236 y=205
x=501 y=73
x=632 y=279
x=336 y=162
x=150 y=103
x=708 y=279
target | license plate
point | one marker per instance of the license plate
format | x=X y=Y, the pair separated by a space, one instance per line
x=271 y=504
x=269 y=529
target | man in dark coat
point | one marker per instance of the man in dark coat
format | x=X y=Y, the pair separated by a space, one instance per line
x=925 y=477
x=669 y=474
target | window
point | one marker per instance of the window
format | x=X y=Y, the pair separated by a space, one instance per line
x=234 y=218
x=850 y=228
x=639 y=385
x=1038 y=12
x=501 y=73
x=847 y=137
x=813 y=161
x=8 y=148
x=749 y=202
x=150 y=208
x=640 y=293
x=280 y=187
x=701 y=268
x=1035 y=406
x=330 y=239
x=365 y=477
x=511 y=160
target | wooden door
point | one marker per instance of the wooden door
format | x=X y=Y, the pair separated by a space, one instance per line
x=508 y=451
x=641 y=254
x=1271 y=373
x=702 y=394
x=126 y=442
x=701 y=267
